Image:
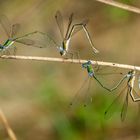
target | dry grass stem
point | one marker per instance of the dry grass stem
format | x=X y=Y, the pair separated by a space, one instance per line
x=121 y=5
x=9 y=131
x=76 y=61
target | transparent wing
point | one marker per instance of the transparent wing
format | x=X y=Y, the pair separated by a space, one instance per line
x=69 y=25
x=125 y=106
x=59 y=21
x=4 y=21
x=46 y=41
x=107 y=70
x=31 y=42
x=98 y=68
x=88 y=98
x=49 y=41
x=15 y=29
x=112 y=108
x=78 y=96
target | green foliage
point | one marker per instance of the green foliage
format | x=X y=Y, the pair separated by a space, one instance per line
x=48 y=93
x=116 y=14
x=130 y=2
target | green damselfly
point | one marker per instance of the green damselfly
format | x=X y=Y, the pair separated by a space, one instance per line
x=93 y=75
x=63 y=48
x=70 y=32
x=11 y=31
x=132 y=82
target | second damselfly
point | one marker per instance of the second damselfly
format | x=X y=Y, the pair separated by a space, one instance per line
x=72 y=29
x=11 y=31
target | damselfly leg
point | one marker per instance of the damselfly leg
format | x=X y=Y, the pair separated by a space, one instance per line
x=83 y=25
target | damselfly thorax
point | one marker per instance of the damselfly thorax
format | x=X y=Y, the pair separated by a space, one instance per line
x=64 y=47
x=8 y=42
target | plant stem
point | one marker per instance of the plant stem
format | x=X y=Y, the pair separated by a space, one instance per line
x=121 y=5
x=10 y=132
x=76 y=61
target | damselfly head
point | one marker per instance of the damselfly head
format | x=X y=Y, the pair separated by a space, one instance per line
x=61 y=51
x=86 y=64
x=1 y=47
x=131 y=73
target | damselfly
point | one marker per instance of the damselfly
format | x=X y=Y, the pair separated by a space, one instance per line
x=11 y=31
x=71 y=30
x=92 y=75
x=129 y=88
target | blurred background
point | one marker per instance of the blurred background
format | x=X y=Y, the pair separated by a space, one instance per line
x=35 y=96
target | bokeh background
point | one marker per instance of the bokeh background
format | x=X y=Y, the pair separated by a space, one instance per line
x=35 y=96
